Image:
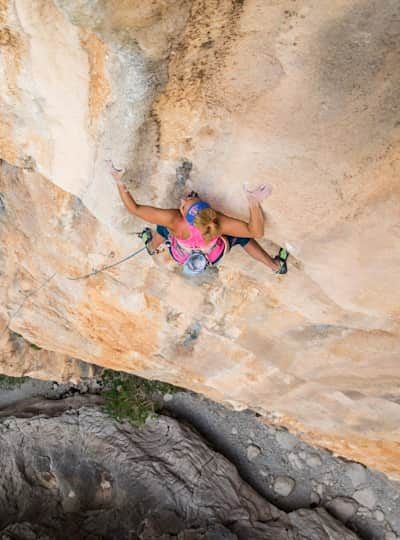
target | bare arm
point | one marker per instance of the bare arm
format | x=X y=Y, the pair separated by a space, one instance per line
x=151 y=214
x=236 y=227
x=255 y=227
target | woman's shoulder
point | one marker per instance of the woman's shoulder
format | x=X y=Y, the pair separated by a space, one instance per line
x=180 y=228
x=233 y=226
x=223 y=218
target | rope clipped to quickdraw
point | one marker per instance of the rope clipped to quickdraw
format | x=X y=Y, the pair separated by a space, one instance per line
x=145 y=235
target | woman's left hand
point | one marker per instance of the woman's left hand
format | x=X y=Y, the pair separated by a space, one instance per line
x=259 y=194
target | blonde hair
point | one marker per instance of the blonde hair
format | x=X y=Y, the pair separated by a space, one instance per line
x=207 y=222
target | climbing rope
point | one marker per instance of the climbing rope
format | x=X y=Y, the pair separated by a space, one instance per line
x=108 y=266
x=21 y=305
x=145 y=235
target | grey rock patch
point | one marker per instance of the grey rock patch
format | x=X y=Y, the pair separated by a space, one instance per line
x=329 y=481
x=379 y=515
x=253 y=452
x=186 y=489
x=356 y=473
x=182 y=176
x=314 y=461
x=28 y=408
x=391 y=536
x=328 y=478
x=295 y=461
x=366 y=497
x=284 y=485
x=343 y=508
x=364 y=512
x=24 y=531
x=28 y=389
x=315 y=498
x=2 y=204
x=286 y=440
x=320 y=525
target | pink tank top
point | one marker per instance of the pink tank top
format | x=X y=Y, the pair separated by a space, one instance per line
x=182 y=248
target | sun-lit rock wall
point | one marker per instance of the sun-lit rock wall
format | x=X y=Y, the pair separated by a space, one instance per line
x=301 y=94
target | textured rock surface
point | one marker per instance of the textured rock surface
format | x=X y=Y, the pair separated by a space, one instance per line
x=333 y=485
x=303 y=94
x=81 y=474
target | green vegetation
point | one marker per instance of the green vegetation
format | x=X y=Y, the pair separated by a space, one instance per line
x=8 y=383
x=133 y=399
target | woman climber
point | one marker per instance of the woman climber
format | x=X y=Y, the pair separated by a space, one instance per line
x=198 y=235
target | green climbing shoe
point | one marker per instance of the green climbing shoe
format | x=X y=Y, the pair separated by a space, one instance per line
x=282 y=258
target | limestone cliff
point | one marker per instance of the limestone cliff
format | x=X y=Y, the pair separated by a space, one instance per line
x=301 y=94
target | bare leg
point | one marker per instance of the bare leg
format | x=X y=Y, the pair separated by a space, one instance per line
x=254 y=249
x=156 y=241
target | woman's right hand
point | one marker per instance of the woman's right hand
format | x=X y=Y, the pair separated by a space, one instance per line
x=257 y=195
x=117 y=174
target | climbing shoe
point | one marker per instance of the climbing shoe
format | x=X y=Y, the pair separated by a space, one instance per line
x=282 y=258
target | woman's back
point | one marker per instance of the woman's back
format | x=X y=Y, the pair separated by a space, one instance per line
x=195 y=239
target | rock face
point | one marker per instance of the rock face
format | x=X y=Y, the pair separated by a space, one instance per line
x=285 y=473
x=81 y=474
x=301 y=94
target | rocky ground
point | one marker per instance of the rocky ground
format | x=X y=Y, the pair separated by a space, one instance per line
x=311 y=494
x=292 y=474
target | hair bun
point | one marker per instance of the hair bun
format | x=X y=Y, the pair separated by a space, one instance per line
x=207 y=222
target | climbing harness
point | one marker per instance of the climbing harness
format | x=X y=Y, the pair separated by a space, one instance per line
x=146 y=235
x=196 y=260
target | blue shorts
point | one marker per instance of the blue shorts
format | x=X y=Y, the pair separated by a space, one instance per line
x=232 y=240
x=236 y=241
